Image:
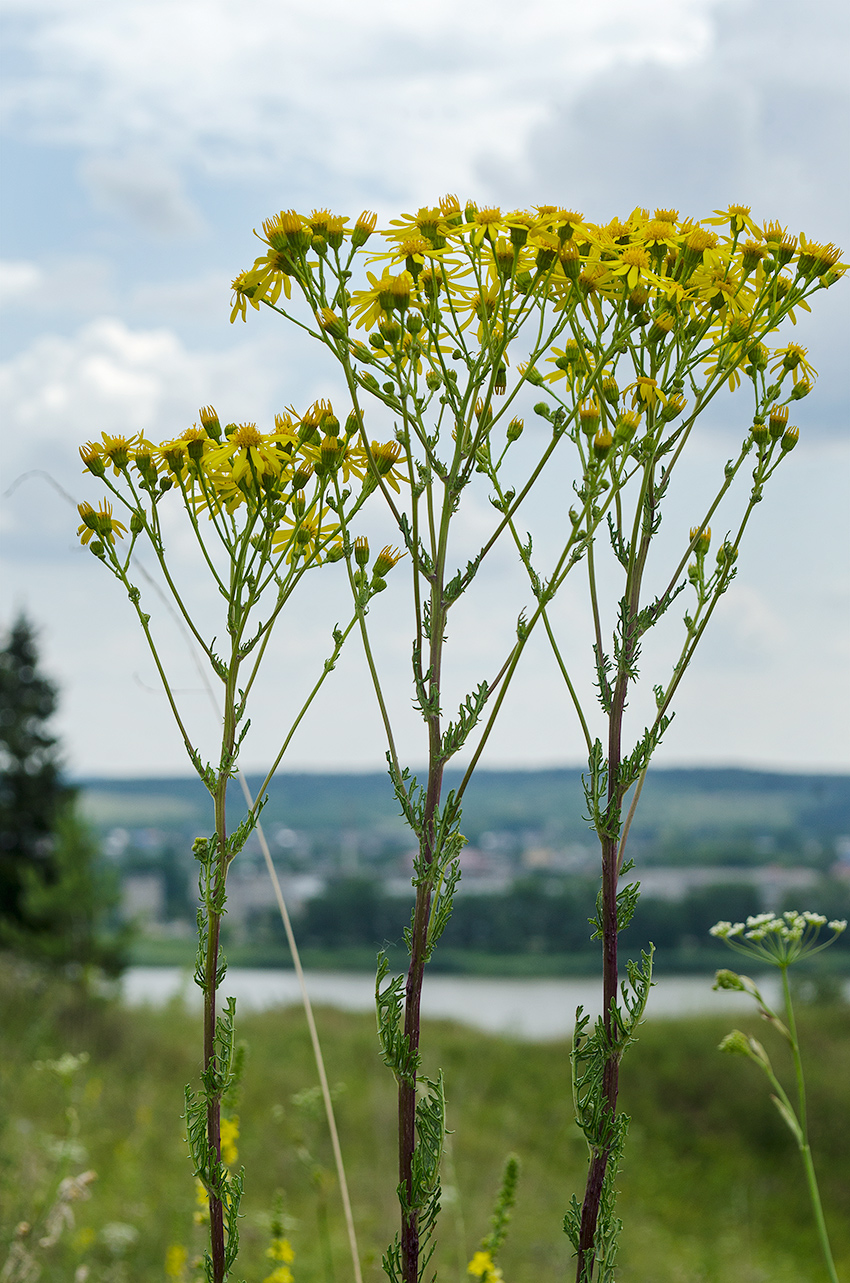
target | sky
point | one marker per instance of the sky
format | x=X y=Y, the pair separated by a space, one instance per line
x=142 y=142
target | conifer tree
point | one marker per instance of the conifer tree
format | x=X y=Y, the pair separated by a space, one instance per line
x=54 y=896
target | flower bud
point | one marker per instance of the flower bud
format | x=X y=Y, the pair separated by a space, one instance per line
x=703 y=539
x=137 y=522
x=385 y=456
x=336 y=231
x=610 y=390
x=90 y=455
x=726 y=979
x=588 y=413
x=390 y=331
x=515 y=428
x=195 y=447
x=400 y=289
x=501 y=381
x=534 y=377
x=801 y=389
x=790 y=437
x=602 y=443
x=434 y=380
x=777 y=421
x=335 y=553
x=545 y=257
x=674 y=407
x=760 y=431
x=363 y=228
x=352 y=424
x=661 y=327
x=210 y=422
x=331 y=323
x=331 y=453
x=414 y=323
x=301 y=476
x=384 y=562
x=736 y=1044
x=361 y=550
x=570 y=261
x=627 y=425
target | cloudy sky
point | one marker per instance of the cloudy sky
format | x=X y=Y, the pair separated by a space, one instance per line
x=144 y=139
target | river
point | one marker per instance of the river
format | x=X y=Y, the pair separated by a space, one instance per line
x=535 y=1010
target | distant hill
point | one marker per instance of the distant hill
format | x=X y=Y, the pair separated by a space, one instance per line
x=712 y=815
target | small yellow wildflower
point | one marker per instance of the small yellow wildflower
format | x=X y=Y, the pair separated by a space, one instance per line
x=283 y=1274
x=280 y=1249
x=482 y=1267
x=175 y=1262
x=793 y=358
x=202 y=1204
x=229 y=1137
x=100 y=523
x=645 y=391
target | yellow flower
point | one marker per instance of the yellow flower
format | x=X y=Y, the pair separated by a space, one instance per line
x=202 y=1204
x=175 y=1262
x=387 y=292
x=229 y=1137
x=100 y=523
x=635 y=266
x=816 y=259
x=793 y=358
x=280 y=1249
x=283 y=1274
x=738 y=218
x=118 y=450
x=645 y=392
x=244 y=288
x=482 y=1267
x=92 y=456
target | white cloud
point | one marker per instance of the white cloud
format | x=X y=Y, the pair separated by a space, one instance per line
x=381 y=92
x=108 y=377
x=146 y=189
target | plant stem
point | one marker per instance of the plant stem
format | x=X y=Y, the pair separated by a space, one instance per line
x=805 y=1148
x=210 y=974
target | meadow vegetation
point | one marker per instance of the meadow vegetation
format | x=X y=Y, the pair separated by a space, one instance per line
x=711 y=1190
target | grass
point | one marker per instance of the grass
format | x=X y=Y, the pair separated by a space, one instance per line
x=712 y=1188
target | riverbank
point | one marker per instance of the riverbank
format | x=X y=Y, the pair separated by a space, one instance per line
x=147 y=951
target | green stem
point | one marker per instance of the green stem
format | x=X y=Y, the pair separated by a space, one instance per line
x=805 y=1148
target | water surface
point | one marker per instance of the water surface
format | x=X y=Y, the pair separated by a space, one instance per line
x=521 y=1008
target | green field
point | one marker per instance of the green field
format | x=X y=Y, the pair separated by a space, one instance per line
x=711 y=1188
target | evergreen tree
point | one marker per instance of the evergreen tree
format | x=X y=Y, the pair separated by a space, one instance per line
x=54 y=894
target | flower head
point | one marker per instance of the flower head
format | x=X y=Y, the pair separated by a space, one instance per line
x=100 y=522
x=779 y=939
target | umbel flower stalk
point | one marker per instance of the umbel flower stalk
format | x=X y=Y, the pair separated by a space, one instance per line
x=263 y=514
x=780 y=941
x=626 y=332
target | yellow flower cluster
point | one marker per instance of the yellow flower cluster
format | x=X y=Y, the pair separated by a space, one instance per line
x=482 y=1267
x=285 y=474
x=280 y=1250
x=657 y=280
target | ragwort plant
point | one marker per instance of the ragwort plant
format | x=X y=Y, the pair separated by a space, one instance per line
x=666 y=314
x=644 y=321
x=265 y=509
x=456 y=291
